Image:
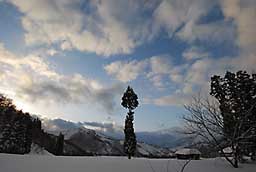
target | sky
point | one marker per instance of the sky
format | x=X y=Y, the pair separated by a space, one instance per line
x=74 y=59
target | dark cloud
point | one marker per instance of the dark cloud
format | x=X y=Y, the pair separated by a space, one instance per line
x=72 y=90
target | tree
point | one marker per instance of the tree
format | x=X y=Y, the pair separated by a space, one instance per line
x=236 y=94
x=228 y=120
x=15 y=128
x=204 y=121
x=129 y=101
x=60 y=144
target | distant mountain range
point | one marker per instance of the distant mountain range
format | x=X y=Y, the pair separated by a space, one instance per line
x=83 y=141
x=169 y=138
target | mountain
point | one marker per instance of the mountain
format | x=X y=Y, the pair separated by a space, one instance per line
x=168 y=138
x=18 y=130
x=89 y=142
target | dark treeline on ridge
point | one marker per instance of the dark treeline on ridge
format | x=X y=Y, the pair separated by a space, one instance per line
x=19 y=130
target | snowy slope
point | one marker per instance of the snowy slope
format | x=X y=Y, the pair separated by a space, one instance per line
x=170 y=138
x=28 y=163
x=152 y=151
x=37 y=150
x=98 y=144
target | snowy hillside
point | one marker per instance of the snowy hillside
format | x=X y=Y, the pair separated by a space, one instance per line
x=25 y=163
x=37 y=150
x=98 y=144
x=170 y=138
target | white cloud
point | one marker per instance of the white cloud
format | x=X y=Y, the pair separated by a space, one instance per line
x=195 y=75
x=181 y=18
x=104 y=28
x=157 y=81
x=126 y=71
x=194 y=53
x=92 y=26
x=172 y=100
x=216 y=32
x=160 y=65
x=185 y=79
x=52 y=52
x=32 y=79
x=243 y=12
x=116 y=27
x=65 y=45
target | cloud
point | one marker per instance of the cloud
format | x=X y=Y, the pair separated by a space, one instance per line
x=101 y=27
x=243 y=13
x=52 y=52
x=214 y=32
x=158 y=67
x=158 y=81
x=196 y=77
x=118 y=27
x=194 y=53
x=182 y=80
x=57 y=125
x=103 y=126
x=33 y=80
x=173 y=100
x=160 y=64
x=181 y=18
x=126 y=71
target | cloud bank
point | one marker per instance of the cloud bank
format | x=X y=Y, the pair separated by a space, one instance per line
x=119 y=27
x=32 y=79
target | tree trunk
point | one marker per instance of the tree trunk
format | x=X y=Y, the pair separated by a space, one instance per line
x=236 y=154
x=129 y=156
x=253 y=156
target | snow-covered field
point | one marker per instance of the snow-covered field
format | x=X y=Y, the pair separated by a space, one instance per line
x=48 y=163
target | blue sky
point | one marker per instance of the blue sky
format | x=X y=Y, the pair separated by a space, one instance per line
x=74 y=59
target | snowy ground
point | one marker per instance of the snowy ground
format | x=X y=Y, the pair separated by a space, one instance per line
x=48 y=163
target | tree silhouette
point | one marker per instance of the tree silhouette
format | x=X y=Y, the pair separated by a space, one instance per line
x=129 y=101
x=230 y=119
x=60 y=144
x=236 y=94
x=15 y=128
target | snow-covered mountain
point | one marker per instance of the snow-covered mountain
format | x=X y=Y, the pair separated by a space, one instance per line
x=169 y=138
x=93 y=143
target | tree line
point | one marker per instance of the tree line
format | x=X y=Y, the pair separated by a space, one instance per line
x=18 y=130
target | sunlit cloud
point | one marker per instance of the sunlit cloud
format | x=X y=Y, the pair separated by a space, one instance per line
x=32 y=79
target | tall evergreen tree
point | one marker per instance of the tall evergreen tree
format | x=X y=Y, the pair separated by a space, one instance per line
x=236 y=93
x=60 y=144
x=129 y=101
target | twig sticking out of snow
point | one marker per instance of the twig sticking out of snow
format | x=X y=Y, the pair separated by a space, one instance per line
x=183 y=167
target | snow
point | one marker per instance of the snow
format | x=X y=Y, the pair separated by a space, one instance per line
x=228 y=150
x=147 y=149
x=37 y=150
x=31 y=163
x=187 y=151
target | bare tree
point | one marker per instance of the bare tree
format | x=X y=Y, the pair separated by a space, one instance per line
x=204 y=120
